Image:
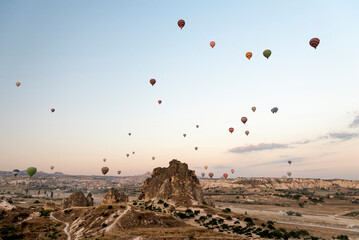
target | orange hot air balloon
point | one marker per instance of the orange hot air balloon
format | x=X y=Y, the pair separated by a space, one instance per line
x=153 y=158
x=232 y=171
x=231 y=130
x=105 y=170
x=152 y=81
x=52 y=109
x=159 y=101
x=314 y=42
x=212 y=44
x=118 y=172
x=184 y=135
x=197 y=126
x=225 y=175
x=181 y=23
x=249 y=55
x=254 y=109
x=206 y=167
x=104 y=160
x=202 y=174
x=196 y=148
x=18 y=84
x=244 y=120
x=247 y=132
x=211 y=174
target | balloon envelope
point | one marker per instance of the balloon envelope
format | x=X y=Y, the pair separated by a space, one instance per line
x=254 y=109
x=118 y=172
x=197 y=126
x=153 y=158
x=52 y=109
x=249 y=55
x=244 y=120
x=104 y=170
x=206 y=167
x=289 y=174
x=231 y=130
x=18 y=84
x=127 y=155
x=196 y=148
x=184 y=135
x=159 y=101
x=212 y=44
x=314 y=42
x=290 y=162
x=31 y=171
x=267 y=53
x=202 y=174
x=133 y=153
x=247 y=132
x=210 y=175
x=104 y=160
x=153 y=81
x=225 y=175
x=15 y=172
x=232 y=171
x=181 y=23
x=52 y=167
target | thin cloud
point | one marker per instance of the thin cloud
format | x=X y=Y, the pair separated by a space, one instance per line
x=355 y=122
x=258 y=147
x=341 y=135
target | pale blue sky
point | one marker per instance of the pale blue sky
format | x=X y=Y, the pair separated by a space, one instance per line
x=92 y=61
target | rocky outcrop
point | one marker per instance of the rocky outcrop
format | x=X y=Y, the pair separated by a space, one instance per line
x=113 y=196
x=4 y=205
x=49 y=205
x=77 y=199
x=176 y=183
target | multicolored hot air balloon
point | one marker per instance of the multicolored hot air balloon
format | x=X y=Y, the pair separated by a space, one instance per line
x=244 y=120
x=118 y=172
x=254 y=109
x=274 y=110
x=202 y=174
x=249 y=55
x=225 y=175
x=211 y=174
x=314 y=42
x=104 y=170
x=246 y=132
x=184 y=135
x=212 y=44
x=181 y=23
x=232 y=171
x=31 y=171
x=52 y=167
x=206 y=167
x=267 y=53
x=152 y=81
x=231 y=129
x=290 y=162
x=15 y=172
x=159 y=101
x=104 y=160
x=196 y=148
x=289 y=174
x=18 y=84
x=52 y=109
x=197 y=126
x=153 y=158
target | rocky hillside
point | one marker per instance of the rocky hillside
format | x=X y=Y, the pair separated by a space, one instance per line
x=77 y=199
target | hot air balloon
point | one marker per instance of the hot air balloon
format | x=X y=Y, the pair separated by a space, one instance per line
x=152 y=81
x=104 y=170
x=197 y=126
x=181 y=23
x=211 y=174
x=202 y=174
x=52 y=109
x=289 y=174
x=133 y=153
x=290 y=162
x=52 y=167
x=274 y=110
x=314 y=42
x=184 y=135
x=244 y=120
x=118 y=172
x=159 y=101
x=254 y=109
x=249 y=55
x=231 y=130
x=247 y=132
x=18 y=84
x=104 y=160
x=212 y=44
x=232 y=171
x=129 y=134
x=31 y=171
x=127 y=155
x=225 y=175
x=196 y=148
x=153 y=158
x=206 y=167
x=15 y=172
x=267 y=53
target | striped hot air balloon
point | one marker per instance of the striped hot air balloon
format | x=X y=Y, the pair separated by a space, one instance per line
x=314 y=42
x=181 y=23
x=231 y=130
x=249 y=55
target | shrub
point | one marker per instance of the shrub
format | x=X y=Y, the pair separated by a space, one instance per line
x=227 y=210
x=37 y=201
x=45 y=213
x=160 y=201
x=229 y=218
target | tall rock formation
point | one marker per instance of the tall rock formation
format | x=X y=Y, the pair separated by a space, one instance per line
x=113 y=196
x=77 y=199
x=176 y=183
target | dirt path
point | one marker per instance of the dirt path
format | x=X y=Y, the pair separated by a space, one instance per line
x=66 y=227
x=109 y=228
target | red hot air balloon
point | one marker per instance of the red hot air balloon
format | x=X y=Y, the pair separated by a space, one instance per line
x=152 y=81
x=244 y=120
x=231 y=130
x=196 y=148
x=232 y=171
x=159 y=101
x=225 y=175
x=211 y=174
x=314 y=42
x=52 y=109
x=212 y=44
x=181 y=23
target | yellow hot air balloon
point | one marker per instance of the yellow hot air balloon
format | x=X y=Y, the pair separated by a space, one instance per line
x=249 y=55
x=206 y=167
